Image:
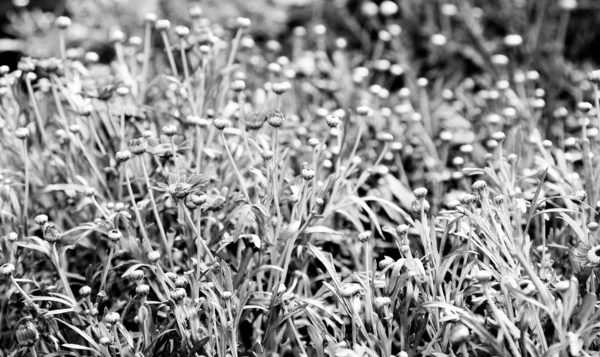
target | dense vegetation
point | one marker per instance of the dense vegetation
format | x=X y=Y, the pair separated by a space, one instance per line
x=311 y=178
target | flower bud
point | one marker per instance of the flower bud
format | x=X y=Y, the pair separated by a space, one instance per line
x=22 y=133
x=479 y=186
x=169 y=130
x=226 y=295
x=138 y=146
x=308 y=174
x=112 y=318
x=267 y=155
x=142 y=290
x=420 y=192
x=386 y=262
x=178 y=294
x=123 y=156
x=51 y=233
x=62 y=22
x=12 y=236
x=150 y=18
x=221 y=123
x=7 y=269
x=85 y=291
x=104 y=341
x=275 y=119
x=182 y=31
x=153 y=256
x=27 y=334
x=115 y=235
x=163 y=25
x=238 y=85
x=41 y=219
x=364 y=236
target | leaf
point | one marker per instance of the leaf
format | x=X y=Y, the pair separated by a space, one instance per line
x=327 y=263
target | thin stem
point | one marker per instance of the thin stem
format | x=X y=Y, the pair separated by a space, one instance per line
x=25 y=296
x=173 y=149
x=36 y=110
x=26 y=203
x=197 y=232
x=106 y=267
x=237 y=172
x=146 y=63
x=145 y=241
x=156 y=215
x=165 y=39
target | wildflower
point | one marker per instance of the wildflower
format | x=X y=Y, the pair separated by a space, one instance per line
x=332 y=120
x=51 y=233
x=404 y=249
x=420 y=193
x=479 y=186
x=585 y=107
x=182 y=31
x=275 y=119
x=579 y=195
x=178 y=294
x=142 y=290
x=313 y=142
x=350 y=290
x=22 y=133
x=89 y=192
x=226 y=295
x=364 y=236
x=138 y=146
x=115 y=235
x=62 y=22
x=527 y=287
x=419 y=204
x=85 y=291
x=513 y=40
x=153 y=256
x=136 y=275
x=184 y=187
x=163 y=25
x=13 y=236
x=308 y=174
x=112 y=318
x=238 y=85
x=281 y=87
x=221 y=123
x=499 y=199
x=195 y=11
x=363 y=111
x=593 y=226
x=267 y=155
x=41 y=219
x=7 y=269
x=198 y=200
x=243 y=22
x=295 y=198
x=104 y=341
x=402 y=230
x=171 y=276
x=27 y=334
x=169 y=130
x=180 y=282
x=123 y=156
x=388 y=8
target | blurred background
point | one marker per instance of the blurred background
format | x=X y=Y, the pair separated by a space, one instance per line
x=560 y=38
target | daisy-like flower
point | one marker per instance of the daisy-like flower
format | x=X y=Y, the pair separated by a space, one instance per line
x=186 y=185
x=585 y=257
